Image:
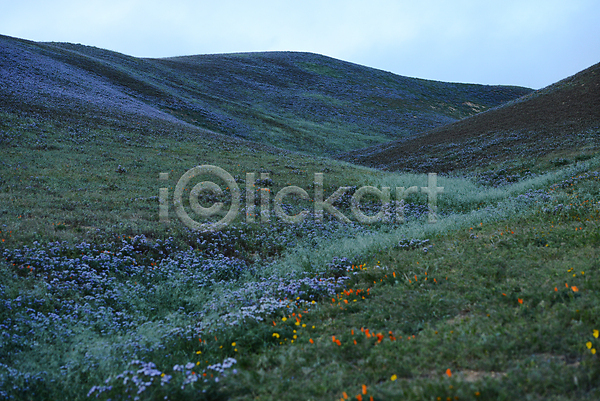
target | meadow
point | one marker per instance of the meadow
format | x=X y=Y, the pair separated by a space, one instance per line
x=100 y=299
x=497 y=300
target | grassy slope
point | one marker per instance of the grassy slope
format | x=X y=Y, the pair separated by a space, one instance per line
x=60 y=181
x=509 y=305
x=460 y=301
x=299 y=101
x=53 y=175
x=561 y=121
x=498 y=310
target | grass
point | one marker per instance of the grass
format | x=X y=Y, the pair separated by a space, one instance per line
x=556 y=122
x=47 y=191
x=498 y=310
x=501 y=304
x=99 y=299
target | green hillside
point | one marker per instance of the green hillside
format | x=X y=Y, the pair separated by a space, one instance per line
x=101 y=298
x=298 y=101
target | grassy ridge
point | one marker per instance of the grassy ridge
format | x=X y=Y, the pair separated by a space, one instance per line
x=283 y=99
x=556 y=124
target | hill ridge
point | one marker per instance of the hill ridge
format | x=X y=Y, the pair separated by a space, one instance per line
x=299 y=101
x=562 y=117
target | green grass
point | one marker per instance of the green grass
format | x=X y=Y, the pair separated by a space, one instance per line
x=498 y=315
x=460 y=300
x=83 y=191
x=497 y=300
x=462 y=303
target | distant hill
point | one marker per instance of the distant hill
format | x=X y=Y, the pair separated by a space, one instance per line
x=561 y=120
x=297 y=101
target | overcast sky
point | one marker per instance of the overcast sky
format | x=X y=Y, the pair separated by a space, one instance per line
x=530 y=43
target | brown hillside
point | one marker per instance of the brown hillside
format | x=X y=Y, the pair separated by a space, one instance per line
x=561 y=118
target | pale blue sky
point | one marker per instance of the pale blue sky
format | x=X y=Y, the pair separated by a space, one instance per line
x=523 y=42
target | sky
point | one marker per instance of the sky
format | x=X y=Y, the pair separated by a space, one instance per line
x=531 y=43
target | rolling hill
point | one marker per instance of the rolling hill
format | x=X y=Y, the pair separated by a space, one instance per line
x=296 y=101
x=104 y=296
x=561 y=120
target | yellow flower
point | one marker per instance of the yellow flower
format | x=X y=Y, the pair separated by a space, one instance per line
x=394 y=377
x=593 y=351
x=596 y=333
x=284 y=318
x=276 y=335
x=588 y=344
x=233 y=344
x=297 y=323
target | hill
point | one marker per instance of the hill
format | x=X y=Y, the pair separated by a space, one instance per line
x=559 y=121
x=297 y=101
x=104 y=299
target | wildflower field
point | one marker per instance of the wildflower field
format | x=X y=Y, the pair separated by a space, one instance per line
x=100 y=300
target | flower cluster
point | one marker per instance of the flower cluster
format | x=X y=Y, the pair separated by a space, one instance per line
x=590 y=345
x=410 y=244
x=136 y=382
